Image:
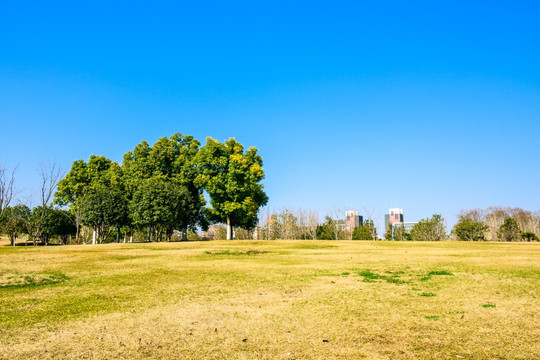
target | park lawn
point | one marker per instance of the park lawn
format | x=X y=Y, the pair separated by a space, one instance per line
x=271 y=300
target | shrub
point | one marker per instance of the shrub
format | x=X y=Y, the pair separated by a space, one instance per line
x=470 y=230
x=529 y=236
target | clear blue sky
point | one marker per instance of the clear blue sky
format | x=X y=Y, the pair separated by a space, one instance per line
x=431 y=106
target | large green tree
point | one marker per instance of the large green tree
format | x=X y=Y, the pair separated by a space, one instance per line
x=163 y=205
x=232 y=177
x=161 y=185
x=106 y=209
x=83 y=179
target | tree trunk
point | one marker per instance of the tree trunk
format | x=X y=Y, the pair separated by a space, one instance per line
x=184 y=235
x=230 y=235
x=94 y=237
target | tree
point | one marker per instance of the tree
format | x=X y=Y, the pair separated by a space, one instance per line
x=468 y=229
x=81 y=180
x=494 y=218
x=388 y=234
x=365 y=232
x=91 y=179
x=429 y=229
x=162 y=204
x=509 y=230
x=7 y=187
x=73 y=189
x=288 y=225
x=232 y=177
x=401 y=233
x=58 y=223
x=361 y=233
x=106 y=208
x=12 y=221
x=49 y=173
x=161 y=185
x=325 y=231
x=329 y=230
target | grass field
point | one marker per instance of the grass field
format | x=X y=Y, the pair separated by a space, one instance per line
x=272 y=300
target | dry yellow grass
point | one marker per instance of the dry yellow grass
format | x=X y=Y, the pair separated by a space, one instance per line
x=271 y=300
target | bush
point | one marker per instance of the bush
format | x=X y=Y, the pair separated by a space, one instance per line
x=529 y=236
x=470 y=230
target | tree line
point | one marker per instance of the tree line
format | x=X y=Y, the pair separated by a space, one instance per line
x=498 y=224
x=157 y=189
x=492 y=224
x=158 y=193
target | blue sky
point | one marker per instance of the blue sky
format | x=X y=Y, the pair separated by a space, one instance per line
x=428 y=106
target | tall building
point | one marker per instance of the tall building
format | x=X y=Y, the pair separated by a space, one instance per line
x=352 y=220
x=394 y=219
x=394 y=216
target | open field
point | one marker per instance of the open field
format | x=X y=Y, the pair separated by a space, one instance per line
x=272 y=300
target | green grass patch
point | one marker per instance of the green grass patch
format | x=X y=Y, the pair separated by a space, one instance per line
x=313 y=246
x=488 y=305
x=370 y=276
x=432 y=317
x=236 y=252
x=440 y=272
x=428 y=294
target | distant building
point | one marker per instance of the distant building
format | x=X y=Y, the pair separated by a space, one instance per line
x=406 y=225
x=395 y=219
x=394 y=216
x=352 y=220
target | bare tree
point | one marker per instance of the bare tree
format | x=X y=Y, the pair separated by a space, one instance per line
x=473 y=214
x=338 y=223
x=307 y=224
x=525 y=219
x=7 y=187
x=537 y=226
x=50 y=174
x=313 y=223
x=289 y=226
x=494 y=219
x=495 y=216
